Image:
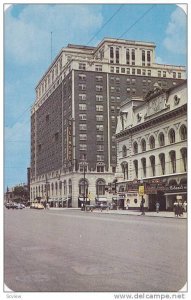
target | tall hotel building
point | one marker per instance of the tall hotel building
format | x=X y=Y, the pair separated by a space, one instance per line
x=73 y=119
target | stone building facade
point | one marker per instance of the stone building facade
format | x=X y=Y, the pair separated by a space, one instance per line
x=152 y=148
x=74 y=116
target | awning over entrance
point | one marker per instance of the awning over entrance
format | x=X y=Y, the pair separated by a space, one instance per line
x=101 y=199
x=172 y=194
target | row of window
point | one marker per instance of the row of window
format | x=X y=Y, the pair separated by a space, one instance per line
x=161 y=140
x=149 y=165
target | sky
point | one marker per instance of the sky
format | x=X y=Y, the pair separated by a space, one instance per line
x=27 y=55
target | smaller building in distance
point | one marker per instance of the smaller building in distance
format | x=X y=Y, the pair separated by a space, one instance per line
x=151 y=140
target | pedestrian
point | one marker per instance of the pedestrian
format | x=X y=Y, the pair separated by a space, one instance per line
x=101 y=206
x=185 y=206
x=157 y=207
x=176 y=209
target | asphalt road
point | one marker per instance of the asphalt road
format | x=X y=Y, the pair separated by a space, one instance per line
x=62 y=251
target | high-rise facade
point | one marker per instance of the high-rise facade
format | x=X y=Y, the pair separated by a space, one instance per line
x=73 y=119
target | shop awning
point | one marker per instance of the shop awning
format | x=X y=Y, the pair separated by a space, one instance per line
x=177 y=193
x=101 y=199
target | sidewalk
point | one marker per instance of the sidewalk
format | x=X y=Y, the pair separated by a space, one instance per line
x=163 y=214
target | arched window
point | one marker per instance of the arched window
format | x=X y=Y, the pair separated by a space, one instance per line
x=125 y=170
x=184 y=158
x=135 y=147
x=152 y=142
x=52 y=187
x=65 y=187
x=143 y=161
x=56 y=187
x=124 y=151
x=60 y=185
x=143 y=145
x=152 y=161
x=172 y=136
x=162 y=162
x=183 y=133
x=70 y=186
x=172 y=155
x=83 y=187
x=100 y=187
x=161 y=139
x=135 y=162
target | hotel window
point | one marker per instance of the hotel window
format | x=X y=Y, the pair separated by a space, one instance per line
x=99 y=138
x=117 y=79
x=82 y=107
x=83 y=147
x=82 y=126
x=172 y=136
x=179 y=75
x=100 y=147
x=83 y=137
x=82 y=66
x=144 y=82
x=82 y=97
x=82 y=87
x=98 y=68
x=128 y=71
x=127 y=57
x=143 y=72
x=112 y=69
x=113 y=119
x=161 y=139
x=100 y=157
x=82 y=117
x=143 y=161
x=128 y=81
x=152 y=161
x=99 y=118
x=183 y=133
x=133 y=90
x=143 y=57
x=117 y=55
x=152 y=142
x=82 y=76
x=133 y=81
x=162 y=162
x=133 y=71
x=113 y=108
x=99 y=88
x=149 y=72
x=117 y=89
x=100 y=169
x=138 y=71
x=174 y=74
x=112 y=99
x=111 y=55
x=148 y=58
x=99 y=98
x=112 y=89
x=159 y=73
x=112 y=79
x=117 y=69
x=164 y=74
x=99 y=78
x=122 y=70
x=99 y=107
x=128 y=90
x=99 y=127
x=172 y=155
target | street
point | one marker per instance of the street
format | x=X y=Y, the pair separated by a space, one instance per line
x=71 y=250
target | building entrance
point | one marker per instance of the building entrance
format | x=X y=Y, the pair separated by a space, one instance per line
x=159 y=197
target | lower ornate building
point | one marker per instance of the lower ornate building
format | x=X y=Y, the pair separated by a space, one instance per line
x=152 y=148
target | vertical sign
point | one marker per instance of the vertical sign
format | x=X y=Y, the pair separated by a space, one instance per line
x=69 y=141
